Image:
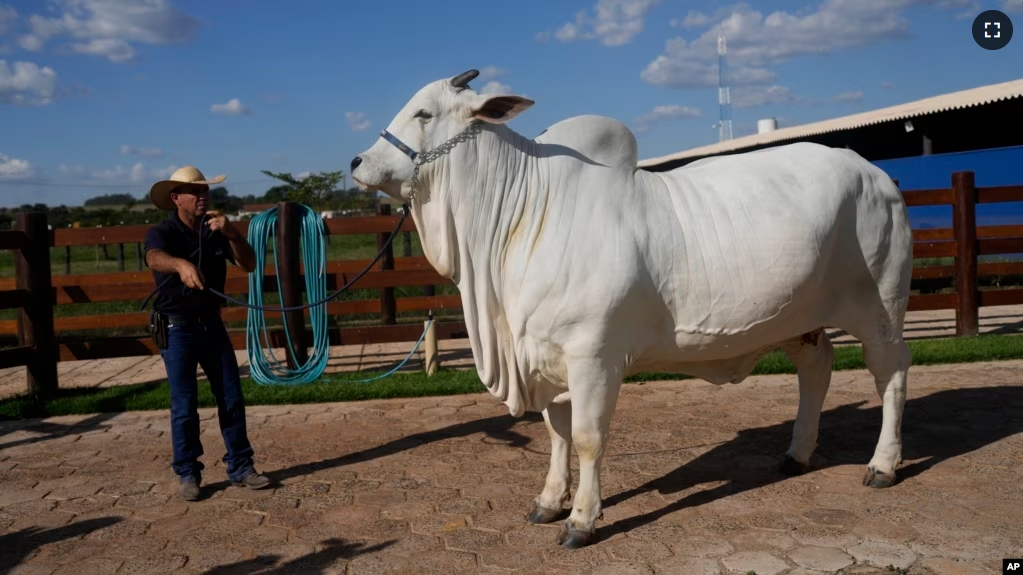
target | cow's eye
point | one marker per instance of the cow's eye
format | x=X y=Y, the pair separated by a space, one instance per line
x=423 y=115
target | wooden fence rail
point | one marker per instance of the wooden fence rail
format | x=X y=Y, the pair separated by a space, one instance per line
x=35 y=292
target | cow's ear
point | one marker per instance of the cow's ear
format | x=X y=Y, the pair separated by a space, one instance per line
x=499 y=109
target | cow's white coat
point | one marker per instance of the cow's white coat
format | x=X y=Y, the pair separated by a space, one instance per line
x=577 y=269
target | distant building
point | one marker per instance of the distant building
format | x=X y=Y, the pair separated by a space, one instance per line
x=917 y=143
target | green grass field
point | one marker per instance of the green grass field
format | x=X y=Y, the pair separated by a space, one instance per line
x=343 y=387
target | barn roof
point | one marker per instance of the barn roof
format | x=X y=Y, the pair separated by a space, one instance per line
x=954 y=100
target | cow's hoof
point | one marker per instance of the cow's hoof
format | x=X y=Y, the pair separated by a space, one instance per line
x=544 y=514
x=574 y=538
x=792 y=468
x=878 y=479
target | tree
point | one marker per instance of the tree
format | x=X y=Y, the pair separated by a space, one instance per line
x=110 y=200
x=310 y=189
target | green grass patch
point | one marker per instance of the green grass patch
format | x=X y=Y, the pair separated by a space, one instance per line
x=345 y=386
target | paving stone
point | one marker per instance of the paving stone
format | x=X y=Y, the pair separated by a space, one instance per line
x=30 y=569
x=633 y=550
x=153 y=564
x=883 y=554
x=623 y=569
x=948 y=566
x=820 y=558
x=702 y=547
x=8 y=497
x=390 y=490
x=94 y=566
x=687 y=566
x=761 y=562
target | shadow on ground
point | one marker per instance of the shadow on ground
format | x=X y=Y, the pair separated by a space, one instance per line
x=497 y=428
x=20 y=545
x=936 y=427
x=50 y=430
x=334 y=550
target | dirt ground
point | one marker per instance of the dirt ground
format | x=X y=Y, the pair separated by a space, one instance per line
x=442 y=485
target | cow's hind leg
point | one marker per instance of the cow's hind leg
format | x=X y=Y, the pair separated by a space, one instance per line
x=813 y=355
x=547 y=507
x=889 y=364
x=594 y=394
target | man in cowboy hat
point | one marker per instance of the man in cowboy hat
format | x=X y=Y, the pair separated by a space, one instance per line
x=187 y=253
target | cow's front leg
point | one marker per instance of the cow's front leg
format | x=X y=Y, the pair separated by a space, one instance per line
x=548 y=506
x=594 y=392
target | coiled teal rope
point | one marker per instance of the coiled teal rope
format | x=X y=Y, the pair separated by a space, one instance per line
x=263 y=229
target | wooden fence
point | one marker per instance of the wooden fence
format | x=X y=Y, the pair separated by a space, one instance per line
x=39 y=347
x=965 y=241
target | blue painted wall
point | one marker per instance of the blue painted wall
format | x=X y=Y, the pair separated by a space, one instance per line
x=993 y=167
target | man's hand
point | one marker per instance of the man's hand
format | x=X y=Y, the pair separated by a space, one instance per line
x=189 y=275
x=218 y=222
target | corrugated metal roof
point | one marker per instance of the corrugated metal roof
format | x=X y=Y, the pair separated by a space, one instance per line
x=954 y=100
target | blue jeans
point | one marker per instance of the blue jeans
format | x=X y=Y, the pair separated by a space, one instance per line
x=207 y=345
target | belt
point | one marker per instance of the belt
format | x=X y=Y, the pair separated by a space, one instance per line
x=187 y=319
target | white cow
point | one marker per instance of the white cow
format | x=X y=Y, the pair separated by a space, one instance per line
x=577 y=269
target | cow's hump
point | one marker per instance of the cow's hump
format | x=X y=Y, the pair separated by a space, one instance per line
x=599 y=138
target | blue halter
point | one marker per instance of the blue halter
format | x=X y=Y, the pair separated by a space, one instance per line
x=399 y=144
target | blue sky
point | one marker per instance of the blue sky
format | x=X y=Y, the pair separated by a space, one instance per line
x=107 y=96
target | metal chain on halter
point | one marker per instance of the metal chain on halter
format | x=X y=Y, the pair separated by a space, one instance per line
x=426 y=157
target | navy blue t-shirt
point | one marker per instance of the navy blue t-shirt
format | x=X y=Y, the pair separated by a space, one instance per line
x=180 y=241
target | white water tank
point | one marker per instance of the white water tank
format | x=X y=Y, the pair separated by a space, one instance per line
x=766 y=125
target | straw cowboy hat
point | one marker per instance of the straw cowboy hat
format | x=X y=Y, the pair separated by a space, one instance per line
x=160 y=193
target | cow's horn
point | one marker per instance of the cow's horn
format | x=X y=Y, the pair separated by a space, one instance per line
x=462 y=80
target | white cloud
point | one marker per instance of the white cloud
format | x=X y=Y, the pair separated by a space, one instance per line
x=754 y=96
x=15 y=169
x=73 y=170
x=1012 y=6
x=136 y=174
x=852 y=97
x=490 y=72
x=113 y=49
x=233 y=107
x=7 y=15
x=693 y=19
x=494 y=87
x=615 y=23
x=108 y=27
x=26 y=83
x=127 y=150
x=357 y=121
x=31 y=43
x=757 y=42
x=662 y=114
x=887 y=85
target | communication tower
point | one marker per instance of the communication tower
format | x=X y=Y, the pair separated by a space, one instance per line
x=724 y=96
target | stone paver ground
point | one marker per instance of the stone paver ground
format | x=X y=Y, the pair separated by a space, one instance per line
x=442 y=485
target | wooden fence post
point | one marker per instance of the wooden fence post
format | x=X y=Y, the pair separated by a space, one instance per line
x=35 y=319
x=289 y=262
x=964 y=228
x=388 y=306
x=431 y=359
